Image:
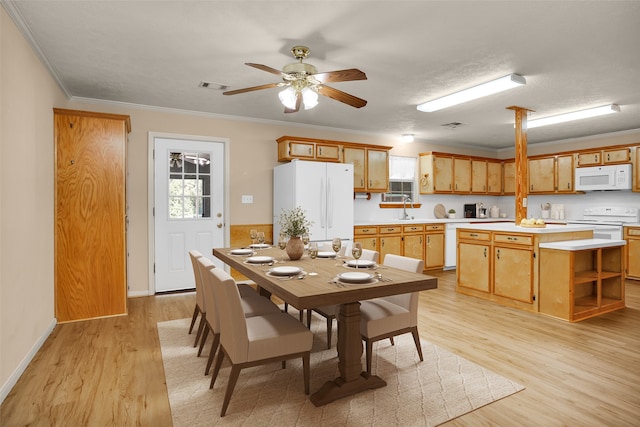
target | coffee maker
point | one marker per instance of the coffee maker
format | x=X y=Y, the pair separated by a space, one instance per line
x=471 y=210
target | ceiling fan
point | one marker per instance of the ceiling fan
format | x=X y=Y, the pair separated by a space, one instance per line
x=303 y=83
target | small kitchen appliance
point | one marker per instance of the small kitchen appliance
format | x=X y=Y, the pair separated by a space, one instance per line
x=471 y=210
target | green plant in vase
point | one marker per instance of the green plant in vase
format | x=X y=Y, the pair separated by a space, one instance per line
x=294 y=223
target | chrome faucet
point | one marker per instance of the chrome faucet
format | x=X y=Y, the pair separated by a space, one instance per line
x=405 y=199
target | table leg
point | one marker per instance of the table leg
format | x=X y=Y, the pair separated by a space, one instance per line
x=352 y=379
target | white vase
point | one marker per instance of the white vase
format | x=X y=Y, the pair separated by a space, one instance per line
x=452 y=215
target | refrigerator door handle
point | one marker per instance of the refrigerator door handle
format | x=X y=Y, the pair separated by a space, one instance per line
x=323 y=204
x=329 y=204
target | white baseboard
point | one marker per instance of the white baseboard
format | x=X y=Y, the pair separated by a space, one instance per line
x=135 y=294
x=17 y=373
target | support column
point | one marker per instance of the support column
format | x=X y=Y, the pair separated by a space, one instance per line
x=522 y=172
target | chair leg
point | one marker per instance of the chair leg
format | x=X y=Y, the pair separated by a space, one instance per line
x=391 y=341
x=329 y=327
x=305 y=371
x=309 y=318
x=300 y=315
x=203 y=321
x=196 y=311
x=233 y=379
x=216 y=368
x=286 y=307
x=369 y=353
x=212 y=352
x=416 y=339
x=205 y=334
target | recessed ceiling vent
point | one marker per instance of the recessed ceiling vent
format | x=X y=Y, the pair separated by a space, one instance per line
x=452 y=125
x=214 y=86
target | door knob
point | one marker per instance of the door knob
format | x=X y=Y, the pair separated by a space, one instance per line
x=219 y=225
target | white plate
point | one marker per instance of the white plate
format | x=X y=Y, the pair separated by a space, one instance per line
x=285 y=270
x=259 y=246
x=324 y=254
x=362 y=263
x=355 y=277
x=259 y=259
x=241 y=251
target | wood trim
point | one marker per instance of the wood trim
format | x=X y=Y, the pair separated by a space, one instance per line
x=396 y=206
x=124 y=117
x=331 y=142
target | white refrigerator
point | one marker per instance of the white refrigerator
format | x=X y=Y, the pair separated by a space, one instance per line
x=323 y=190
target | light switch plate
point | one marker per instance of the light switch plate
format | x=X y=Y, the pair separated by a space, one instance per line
x=247 y=199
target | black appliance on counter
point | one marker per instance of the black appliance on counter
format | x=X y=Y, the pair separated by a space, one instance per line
x=471 y=211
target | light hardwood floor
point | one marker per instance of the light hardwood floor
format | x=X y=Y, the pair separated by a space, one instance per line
x=109 y=372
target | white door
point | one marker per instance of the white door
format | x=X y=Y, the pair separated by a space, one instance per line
x=188 y=207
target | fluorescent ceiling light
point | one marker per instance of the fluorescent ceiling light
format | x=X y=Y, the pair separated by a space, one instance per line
x=576 y=115
x=485 y=89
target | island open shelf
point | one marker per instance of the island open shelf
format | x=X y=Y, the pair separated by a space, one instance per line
x=581 y=278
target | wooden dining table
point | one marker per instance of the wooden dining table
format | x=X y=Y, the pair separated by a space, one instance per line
x=309 y=291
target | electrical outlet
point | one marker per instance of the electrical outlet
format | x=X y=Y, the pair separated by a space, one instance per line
x=247 y=199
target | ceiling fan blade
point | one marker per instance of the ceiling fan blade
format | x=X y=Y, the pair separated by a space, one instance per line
x=341 y=96
x=251 y=89
x=297 y=107
x=340 y=76
x=265 y=68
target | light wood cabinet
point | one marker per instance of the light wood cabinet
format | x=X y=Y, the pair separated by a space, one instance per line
x=436 y=173
x=290 y=148
x=564 y=173
x=390 y=238
x=370 y=169
x=632 y=262
x=578 y=284
x=513 y=273
x=479 y=176
x=607 y=156
x=541 y=175
x=368 y=236
x=473 y=265
x=636 y=169
x=413 y=241
x=509 y=177
x=494 y=177
x=461 y=175
x=434 y=246
x=90 y=214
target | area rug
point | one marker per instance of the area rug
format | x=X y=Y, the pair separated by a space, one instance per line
x=443 y=387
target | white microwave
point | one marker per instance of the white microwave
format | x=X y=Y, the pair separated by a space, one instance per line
x=613 y=177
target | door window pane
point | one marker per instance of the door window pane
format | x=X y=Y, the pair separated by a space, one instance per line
x=189 y=185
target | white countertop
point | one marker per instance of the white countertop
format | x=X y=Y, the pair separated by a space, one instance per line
x=513 y=228
x=579 y=245
x=632 y=224
x=429 y=221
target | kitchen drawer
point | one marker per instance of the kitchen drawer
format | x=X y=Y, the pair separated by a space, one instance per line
x=364 y=231
x=434 y=227
x=389 y=230
x=633 y=231
x=413 y=228
x=514 y=239
x=474 y=235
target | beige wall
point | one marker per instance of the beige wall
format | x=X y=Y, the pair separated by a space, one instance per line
x=27 y=95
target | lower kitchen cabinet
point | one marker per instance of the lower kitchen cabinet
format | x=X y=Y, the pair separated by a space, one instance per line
x=413 y=241
x=367 y=236
x=434 y=246
x=632 y=236
x=390 y=238
x=578 y=284
x=513 y=273
x=473 y=272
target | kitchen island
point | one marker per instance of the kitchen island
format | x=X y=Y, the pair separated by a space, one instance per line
x=500 y=262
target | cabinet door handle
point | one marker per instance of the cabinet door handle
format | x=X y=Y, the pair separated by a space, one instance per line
x=485 y=252
x=374 y=242
x=473 y=235
x=498 y=254
x=381 y=243
x=310 y=152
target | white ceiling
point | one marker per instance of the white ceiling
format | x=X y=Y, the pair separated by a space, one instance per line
x=573 y=54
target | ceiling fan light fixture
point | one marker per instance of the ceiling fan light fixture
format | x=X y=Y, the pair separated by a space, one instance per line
x=485 y=89
x=288 y=97
x=575 y=115
x=309 y=98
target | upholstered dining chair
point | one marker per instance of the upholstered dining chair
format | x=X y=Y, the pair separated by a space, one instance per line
x=199 y=309
x=329 y=312
x=252 y=341
x=252 y=305
x=393 y=315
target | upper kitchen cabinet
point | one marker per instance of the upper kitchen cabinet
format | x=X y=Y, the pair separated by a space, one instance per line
x=494 y=177
x=542 y=174
x=370 y=168
x=606 y=156
x=636 y=169
x=290 y=148
x=564 y=173
x=461 y=175
x=478 y=176
x=509 y=177
x=436 y=173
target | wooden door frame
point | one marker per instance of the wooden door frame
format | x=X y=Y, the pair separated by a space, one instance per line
x=151 y=193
